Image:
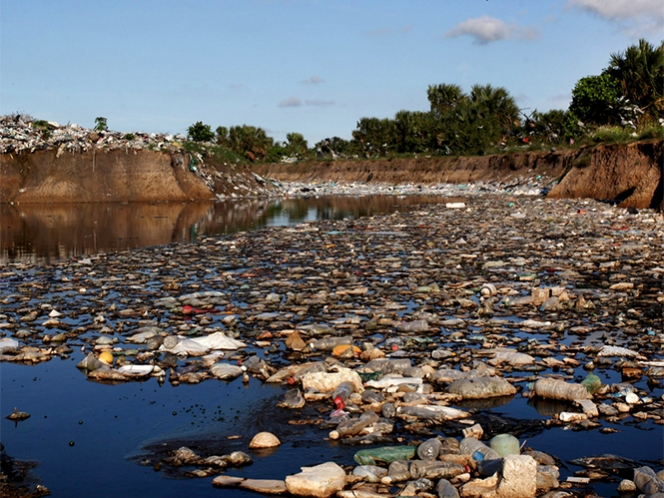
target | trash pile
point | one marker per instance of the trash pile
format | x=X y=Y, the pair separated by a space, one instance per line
x=530 y=185
x=393 y=333
x=20 y=133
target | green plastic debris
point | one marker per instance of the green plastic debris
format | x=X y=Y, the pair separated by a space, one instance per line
x=592 y=383
x=504 y=444
x=386 y=454
x=367 y=376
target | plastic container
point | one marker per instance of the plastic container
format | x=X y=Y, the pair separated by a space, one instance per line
x=352 y=426
x=430 y=469
x=341 y=394
x=329 y=343
x=647 y=481
x=429 y=449
x=592 y=383
x=385 y=454
x=505 y=444
x=476 y=448
x=444 y=489
x=559 y=389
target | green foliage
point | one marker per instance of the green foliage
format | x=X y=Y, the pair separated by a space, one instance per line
x=374 y=137
x=333 y=147
x=129 y=136
x=43 y=127
x=276 y=153
x=296 y=144
x=552 y=127
x=612 y=134
x=639 y=72
x=250 y=142
x=595 y=100
x=651 y=132
x=101 y=124
x=220 y=154
x=413 y=131
x=200 y=132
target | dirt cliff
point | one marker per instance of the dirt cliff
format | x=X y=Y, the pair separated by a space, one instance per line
x=630 y=174
x=121 y=176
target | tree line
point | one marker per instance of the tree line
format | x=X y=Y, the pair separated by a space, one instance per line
x=625 y=100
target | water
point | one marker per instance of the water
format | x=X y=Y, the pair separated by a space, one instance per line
x=51 y=232
x=91 y=438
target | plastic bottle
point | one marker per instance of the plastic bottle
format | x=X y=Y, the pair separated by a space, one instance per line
x=431 y=469
x=444 y=489
x=328 y=343
x=352 y=426
x=429 y=449
x=476 y=448
x=559 y=389
x=341 y=394
x=388 y=410
x=505 y=444
x=647 y=481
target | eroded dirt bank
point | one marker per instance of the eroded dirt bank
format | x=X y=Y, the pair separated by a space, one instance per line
x=628 y=173
x=121 y=176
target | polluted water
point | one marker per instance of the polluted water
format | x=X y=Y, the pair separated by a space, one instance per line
x=506 y=346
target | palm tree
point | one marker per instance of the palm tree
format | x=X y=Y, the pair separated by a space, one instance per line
x=640 y=72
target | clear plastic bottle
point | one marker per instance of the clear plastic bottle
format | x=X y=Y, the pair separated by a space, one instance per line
x=429 y=449
x=342 y=393
x=476 y=448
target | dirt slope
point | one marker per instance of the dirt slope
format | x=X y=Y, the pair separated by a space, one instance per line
x=119 y=176
x=631 y=174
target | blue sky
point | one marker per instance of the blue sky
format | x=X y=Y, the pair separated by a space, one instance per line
x=307 y=66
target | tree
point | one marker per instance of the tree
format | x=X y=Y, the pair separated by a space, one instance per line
x=595 y=100
x=296 y=145
x=335 y=146
x=101 y=124
x=222 y=136
x=444 y=98
x=374 y=136
x=200 y=132
x=250 y=141
x=639 y=71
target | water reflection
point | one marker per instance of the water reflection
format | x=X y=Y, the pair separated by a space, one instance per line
x=51 y=232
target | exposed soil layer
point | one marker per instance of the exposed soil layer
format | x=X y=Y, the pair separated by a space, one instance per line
x=121 y=176
x=629 y=174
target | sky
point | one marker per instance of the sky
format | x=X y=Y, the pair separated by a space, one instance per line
x=309 y=66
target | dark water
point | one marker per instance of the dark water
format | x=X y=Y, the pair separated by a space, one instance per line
x=49 y=232
x=90 y=438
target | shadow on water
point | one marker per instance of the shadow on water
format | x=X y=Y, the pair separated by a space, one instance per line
x=51 y=232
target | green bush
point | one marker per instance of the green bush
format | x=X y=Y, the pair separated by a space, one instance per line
x=651 y=132
x=612 y=134
x=199 y=132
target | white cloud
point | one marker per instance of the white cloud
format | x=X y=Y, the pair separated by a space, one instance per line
x=319 y=102
x=291 y=102
x=314 y=80
x=487 y=29
x=636 y=15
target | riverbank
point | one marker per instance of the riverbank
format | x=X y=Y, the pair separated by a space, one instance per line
x=630 y=175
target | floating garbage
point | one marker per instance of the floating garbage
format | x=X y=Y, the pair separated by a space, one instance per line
x=402 y=334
